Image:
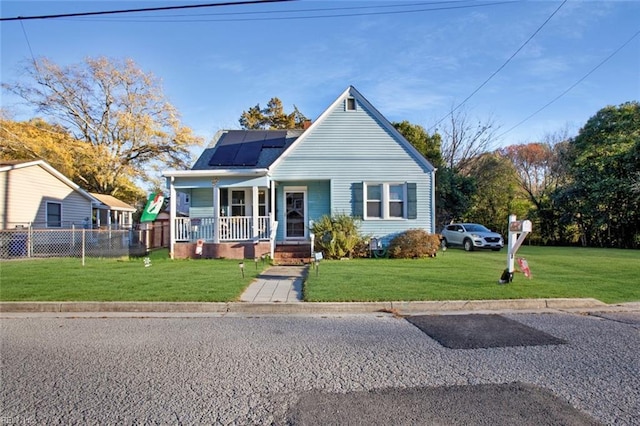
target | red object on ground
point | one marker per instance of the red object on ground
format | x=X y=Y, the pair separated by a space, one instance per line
x=524 y=267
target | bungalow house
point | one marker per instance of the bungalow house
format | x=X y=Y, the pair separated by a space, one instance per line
x=34 y=194
x=115 y=213
x=253 y=192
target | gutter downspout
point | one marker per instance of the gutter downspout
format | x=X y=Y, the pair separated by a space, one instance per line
x=433 y=201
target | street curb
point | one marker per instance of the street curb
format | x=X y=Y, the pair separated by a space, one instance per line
x=397 y=307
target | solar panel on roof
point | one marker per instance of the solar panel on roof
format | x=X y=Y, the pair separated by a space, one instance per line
x=232 y=137
x=255 y=136
x=225 y=155
x=275 y=140
x=248 y=154
x=243 y=147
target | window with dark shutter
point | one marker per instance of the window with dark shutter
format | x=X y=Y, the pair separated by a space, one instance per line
x=412 y=201
x=358 y=203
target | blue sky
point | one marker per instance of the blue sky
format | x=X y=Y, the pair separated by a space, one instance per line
x=410 y=61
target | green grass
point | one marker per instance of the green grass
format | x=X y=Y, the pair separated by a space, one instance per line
x=608 y=275
x=125 y=279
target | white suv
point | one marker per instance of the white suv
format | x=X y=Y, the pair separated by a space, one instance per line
x=471 y=236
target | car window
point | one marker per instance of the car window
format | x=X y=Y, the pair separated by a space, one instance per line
x=476 y=228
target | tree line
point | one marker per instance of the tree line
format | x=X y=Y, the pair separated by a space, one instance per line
x=108 y=127
x=582 y=190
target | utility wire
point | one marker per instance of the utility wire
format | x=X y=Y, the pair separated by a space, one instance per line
x=340 y=15
x=322 y=9
x=501 y=67
x=147 y=9
x=27 y=39
x=575 y=84
x=332 y=9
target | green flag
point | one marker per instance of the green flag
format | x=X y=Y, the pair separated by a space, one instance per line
x=153 y=207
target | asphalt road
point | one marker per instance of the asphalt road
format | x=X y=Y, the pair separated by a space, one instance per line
x=360 y=369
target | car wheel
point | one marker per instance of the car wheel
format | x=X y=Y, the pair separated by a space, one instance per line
x=443 y=243
x=468 y=245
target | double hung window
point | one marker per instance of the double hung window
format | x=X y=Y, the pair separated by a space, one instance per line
x=385 y=201
x=54 y=215
x=238 y=203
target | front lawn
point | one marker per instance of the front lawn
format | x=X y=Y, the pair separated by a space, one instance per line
x=125 y=279
x=609 y=275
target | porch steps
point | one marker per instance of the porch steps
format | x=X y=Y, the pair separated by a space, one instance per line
x=292 y=254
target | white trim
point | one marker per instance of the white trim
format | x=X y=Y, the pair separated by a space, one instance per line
x=217 y=172
x=288 y=189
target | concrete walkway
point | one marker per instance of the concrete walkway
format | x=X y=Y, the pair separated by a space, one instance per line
x=276 y=284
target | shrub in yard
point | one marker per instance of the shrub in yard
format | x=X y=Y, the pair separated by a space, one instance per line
x=414 y=243
x=337 y=236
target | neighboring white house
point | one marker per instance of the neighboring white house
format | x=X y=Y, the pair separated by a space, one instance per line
x=34 y=194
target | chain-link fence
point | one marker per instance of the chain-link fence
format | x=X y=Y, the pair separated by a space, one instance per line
x=29 y=242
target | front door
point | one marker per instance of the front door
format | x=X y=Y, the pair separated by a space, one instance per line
x=295 y=213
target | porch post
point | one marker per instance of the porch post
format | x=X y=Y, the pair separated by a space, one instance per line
x=272 y=205
x=216 y=210
x=254 y=213
x=172 y=217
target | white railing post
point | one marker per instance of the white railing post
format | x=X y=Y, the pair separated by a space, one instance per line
x=173 y=228
x=254 y=214
x=216 y=210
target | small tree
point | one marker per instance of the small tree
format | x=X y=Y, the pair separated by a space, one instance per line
x=337 y=236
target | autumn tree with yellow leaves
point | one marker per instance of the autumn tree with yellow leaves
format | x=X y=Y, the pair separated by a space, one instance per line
x=110 y=117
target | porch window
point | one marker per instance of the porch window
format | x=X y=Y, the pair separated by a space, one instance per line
x=54 y=215
x=238 y=203
x=262 y=202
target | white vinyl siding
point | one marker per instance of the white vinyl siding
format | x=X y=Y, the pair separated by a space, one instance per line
x=26 y=192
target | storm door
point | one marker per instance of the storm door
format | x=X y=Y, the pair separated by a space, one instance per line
x=296 y=213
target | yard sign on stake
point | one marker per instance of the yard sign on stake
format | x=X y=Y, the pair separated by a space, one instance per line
x=523 y=228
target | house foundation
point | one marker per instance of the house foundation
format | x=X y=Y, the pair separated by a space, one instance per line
x=227 y=250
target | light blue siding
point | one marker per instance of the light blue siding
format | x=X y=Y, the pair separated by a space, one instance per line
x=201 y=202
x=350 y=147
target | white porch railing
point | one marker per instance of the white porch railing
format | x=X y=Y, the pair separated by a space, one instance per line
x=234 y=228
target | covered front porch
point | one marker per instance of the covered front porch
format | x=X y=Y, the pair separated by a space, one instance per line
x=233 y=215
